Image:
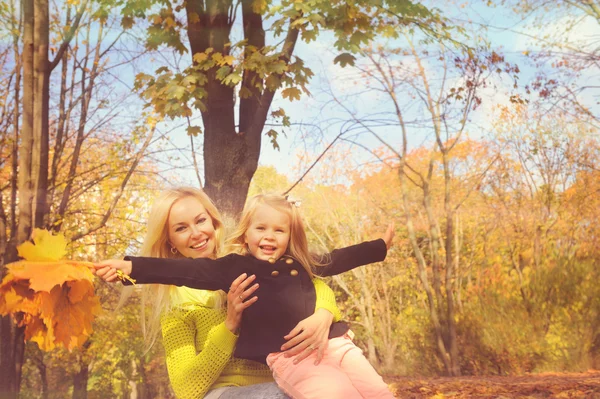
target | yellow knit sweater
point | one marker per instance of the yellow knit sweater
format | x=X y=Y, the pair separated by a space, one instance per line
x=199 y=347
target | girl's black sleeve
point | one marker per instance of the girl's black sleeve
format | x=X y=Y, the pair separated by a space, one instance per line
x=202 y=273
x=344 y=259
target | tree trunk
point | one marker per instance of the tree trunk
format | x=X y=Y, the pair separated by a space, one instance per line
x=422 y=269
x=226 y=173
x=133 y=387
x=80 y=381
x=449 y=285
x=41 y=97
x=11 y=337
x=143 y=386
x=230 y=156
x=33 y=172
x=449 y=278
x=38 y=358
x=12 y=348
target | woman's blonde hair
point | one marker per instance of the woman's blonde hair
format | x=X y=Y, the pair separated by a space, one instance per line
x=156 y=245
x=298 y=245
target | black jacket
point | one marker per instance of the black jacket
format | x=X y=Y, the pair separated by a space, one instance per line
x=286 y=294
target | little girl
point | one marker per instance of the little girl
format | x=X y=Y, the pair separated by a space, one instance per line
x=271 y=244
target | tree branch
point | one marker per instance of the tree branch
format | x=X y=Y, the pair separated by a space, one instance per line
x=69 y=36
x=117 y=197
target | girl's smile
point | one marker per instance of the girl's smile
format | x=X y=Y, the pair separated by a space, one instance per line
x=268 y=235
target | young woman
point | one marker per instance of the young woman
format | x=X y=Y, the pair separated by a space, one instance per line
x=199 y=334
x=272 y=246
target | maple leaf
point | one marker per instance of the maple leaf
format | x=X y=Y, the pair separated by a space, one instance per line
x=344 y=59
x=45 y=246
x=53 y=298
x=291 y=93
x=43 y=276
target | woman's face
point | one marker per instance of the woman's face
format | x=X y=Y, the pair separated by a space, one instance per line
x=191 y=229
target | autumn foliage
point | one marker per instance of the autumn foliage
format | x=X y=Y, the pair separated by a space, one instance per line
x=53 y=299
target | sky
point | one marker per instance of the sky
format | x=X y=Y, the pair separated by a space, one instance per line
x=506 y=32
x=317 y=119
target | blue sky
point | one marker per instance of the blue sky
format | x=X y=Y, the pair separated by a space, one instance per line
x=505 y=31
x=314 y=116
x=317 y=121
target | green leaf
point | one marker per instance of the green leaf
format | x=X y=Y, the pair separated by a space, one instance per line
x=223 y=72
x=278 y=113
x=199 y=57
x=273 y=135
x=309 y=35
x=344 y=59
x=228 y=59
x=189 y=80
x=232 y=79
x=194 y=131
x=176 y=92
x=278 y=67
x=291 y=93
x=127 y=22
x=273 y=83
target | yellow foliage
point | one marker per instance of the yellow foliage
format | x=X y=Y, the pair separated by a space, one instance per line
x=45 y=247
x=53 y=299
x=259 y=6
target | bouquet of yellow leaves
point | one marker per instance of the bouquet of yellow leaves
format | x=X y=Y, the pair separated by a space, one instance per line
x=53 y=298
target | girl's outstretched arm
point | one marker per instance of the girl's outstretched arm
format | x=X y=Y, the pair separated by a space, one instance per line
x=200 y=273
x=348 y=258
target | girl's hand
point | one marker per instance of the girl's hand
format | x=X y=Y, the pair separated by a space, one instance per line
x=389 y=235
x=107 y=269
x=238 y=293
x=310 y=334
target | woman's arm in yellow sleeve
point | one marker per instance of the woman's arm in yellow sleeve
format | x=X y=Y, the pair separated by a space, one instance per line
x=326 y=299
x=192 y=374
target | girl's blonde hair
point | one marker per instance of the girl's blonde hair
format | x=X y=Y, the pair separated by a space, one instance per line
x=298 y=245
x=156 y=245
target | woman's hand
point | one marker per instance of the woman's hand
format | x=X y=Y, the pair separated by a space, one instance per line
x=237 y=300
x=107 y=269
x=310 y=334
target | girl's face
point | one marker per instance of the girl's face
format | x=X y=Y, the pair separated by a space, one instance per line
x=268 y=235
x=191 y=229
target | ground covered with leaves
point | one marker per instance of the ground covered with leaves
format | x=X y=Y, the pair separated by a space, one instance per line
x=547 y=385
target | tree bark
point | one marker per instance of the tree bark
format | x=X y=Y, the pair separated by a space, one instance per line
x=33 y=172
x=231 y=156
x=41 y=137
x=80 y=378
x=11 y=336
x=80 y=381
x=449 y=284
x=38 y=359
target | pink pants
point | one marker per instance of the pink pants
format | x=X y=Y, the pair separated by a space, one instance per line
x=344 y=373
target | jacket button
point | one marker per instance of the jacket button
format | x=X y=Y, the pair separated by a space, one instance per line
x=271 y=260
x=293 y=272
x=289 y=261
x=274 y=273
